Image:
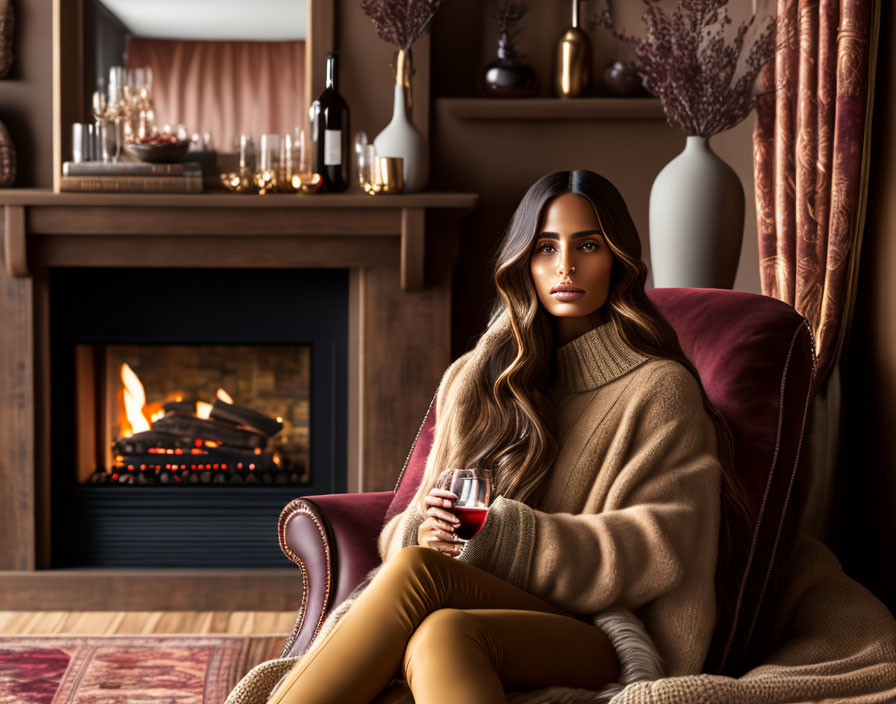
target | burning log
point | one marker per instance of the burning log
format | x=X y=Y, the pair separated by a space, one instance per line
x=142 y=442
x=238 y=415
x=194 y=428
x=179 y=408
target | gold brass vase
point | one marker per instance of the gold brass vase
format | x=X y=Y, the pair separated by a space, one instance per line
x=572 y=60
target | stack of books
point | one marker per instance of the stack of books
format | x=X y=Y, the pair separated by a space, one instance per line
x=130 y=177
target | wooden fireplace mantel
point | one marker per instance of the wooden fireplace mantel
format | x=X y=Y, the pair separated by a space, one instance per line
x=43 y=212
x=399 y=251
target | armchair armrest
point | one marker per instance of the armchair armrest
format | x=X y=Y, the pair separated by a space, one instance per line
x=332 y=540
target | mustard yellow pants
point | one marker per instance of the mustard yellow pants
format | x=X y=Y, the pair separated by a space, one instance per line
x=458 y=634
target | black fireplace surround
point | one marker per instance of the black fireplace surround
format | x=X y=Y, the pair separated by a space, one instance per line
x=191 y=526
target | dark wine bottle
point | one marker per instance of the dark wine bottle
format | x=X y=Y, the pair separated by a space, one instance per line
x=332 y=132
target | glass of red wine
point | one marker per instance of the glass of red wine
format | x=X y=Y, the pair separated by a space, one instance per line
x=473 y=488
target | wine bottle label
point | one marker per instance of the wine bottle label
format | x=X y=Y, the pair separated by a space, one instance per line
x=332 y=147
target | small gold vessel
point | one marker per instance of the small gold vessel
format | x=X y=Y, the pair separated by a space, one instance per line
x=388 y=176
x=572 y=62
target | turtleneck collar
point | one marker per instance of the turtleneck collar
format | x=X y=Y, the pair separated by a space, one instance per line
x=594 y=359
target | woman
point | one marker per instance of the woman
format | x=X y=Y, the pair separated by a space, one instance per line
x=609 y=464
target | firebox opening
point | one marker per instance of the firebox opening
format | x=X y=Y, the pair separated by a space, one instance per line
x=194 y=415
x=224 y=366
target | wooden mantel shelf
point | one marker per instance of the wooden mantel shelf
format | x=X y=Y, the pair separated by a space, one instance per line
x=37 y=212
x=39 y=196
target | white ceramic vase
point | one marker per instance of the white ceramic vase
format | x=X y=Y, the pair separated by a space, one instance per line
x=400 y=137
x=696 y=220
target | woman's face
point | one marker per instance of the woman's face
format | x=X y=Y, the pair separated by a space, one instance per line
x=571 y=265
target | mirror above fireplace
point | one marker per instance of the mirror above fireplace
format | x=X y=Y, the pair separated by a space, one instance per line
x=219 y=69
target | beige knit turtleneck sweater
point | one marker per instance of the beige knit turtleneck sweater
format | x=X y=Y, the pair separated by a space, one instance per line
x=630 y=515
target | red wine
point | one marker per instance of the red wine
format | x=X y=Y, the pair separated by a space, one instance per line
x=471 y=521
x=332 y=132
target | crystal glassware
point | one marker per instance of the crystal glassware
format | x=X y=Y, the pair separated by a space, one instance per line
x=473 y=489
x=80 y=147
x=305 y=178
x=361 y=144
x=242 y=180
x=268 y=163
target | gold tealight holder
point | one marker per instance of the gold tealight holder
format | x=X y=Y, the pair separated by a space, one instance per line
x=266 y=181
x=306 y=183
x=241 y=181
x=388 y=176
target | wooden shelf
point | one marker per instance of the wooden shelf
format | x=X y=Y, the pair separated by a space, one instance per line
x=40 y=196
x=553 y=108
x=35 y=212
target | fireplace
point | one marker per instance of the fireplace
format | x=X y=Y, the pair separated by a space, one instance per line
x=397 y=255
x=188 y=407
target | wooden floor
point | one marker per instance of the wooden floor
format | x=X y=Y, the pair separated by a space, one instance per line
x=144 y=622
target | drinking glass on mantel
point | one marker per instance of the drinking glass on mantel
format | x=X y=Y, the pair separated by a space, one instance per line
x=473 y=489
x=304 y=178
x=269 y=164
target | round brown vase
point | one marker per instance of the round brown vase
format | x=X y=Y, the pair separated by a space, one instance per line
x=508 y=77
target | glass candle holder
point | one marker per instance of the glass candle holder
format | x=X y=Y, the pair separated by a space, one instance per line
x=304 y=178
x=266 y=177
x=243 y=179
x=286 y=167
x=367 y=168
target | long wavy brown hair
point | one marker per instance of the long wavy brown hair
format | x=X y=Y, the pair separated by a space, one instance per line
x=507 y=420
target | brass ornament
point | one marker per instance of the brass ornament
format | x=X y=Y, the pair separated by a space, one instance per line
x=572 y=61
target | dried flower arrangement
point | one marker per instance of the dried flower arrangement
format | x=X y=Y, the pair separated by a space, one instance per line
x=508 y=15
x=401 y=22
x=687 y=60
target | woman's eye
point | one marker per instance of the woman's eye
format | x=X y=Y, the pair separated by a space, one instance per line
x=590 y=246
x=545 y=248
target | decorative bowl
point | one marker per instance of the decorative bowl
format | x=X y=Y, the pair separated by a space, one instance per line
x=163 y=153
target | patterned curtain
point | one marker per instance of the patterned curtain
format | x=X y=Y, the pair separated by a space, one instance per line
x=808 y=149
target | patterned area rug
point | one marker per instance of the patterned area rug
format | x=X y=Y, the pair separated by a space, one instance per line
x=127 y=669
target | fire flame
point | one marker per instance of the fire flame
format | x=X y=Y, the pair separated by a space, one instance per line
x=134 y=400
x=136 y=409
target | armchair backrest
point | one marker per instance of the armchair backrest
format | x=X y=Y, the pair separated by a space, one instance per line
x=755 y=359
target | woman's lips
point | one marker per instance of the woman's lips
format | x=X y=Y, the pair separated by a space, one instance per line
x=568 y=295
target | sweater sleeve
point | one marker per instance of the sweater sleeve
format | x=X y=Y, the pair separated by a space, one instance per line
x=401 y=530
x=660 y=519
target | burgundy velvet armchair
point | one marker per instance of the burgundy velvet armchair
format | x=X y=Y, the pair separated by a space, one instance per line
x=755 y=358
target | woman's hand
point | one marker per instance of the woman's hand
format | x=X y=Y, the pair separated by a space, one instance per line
x=437 y=529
